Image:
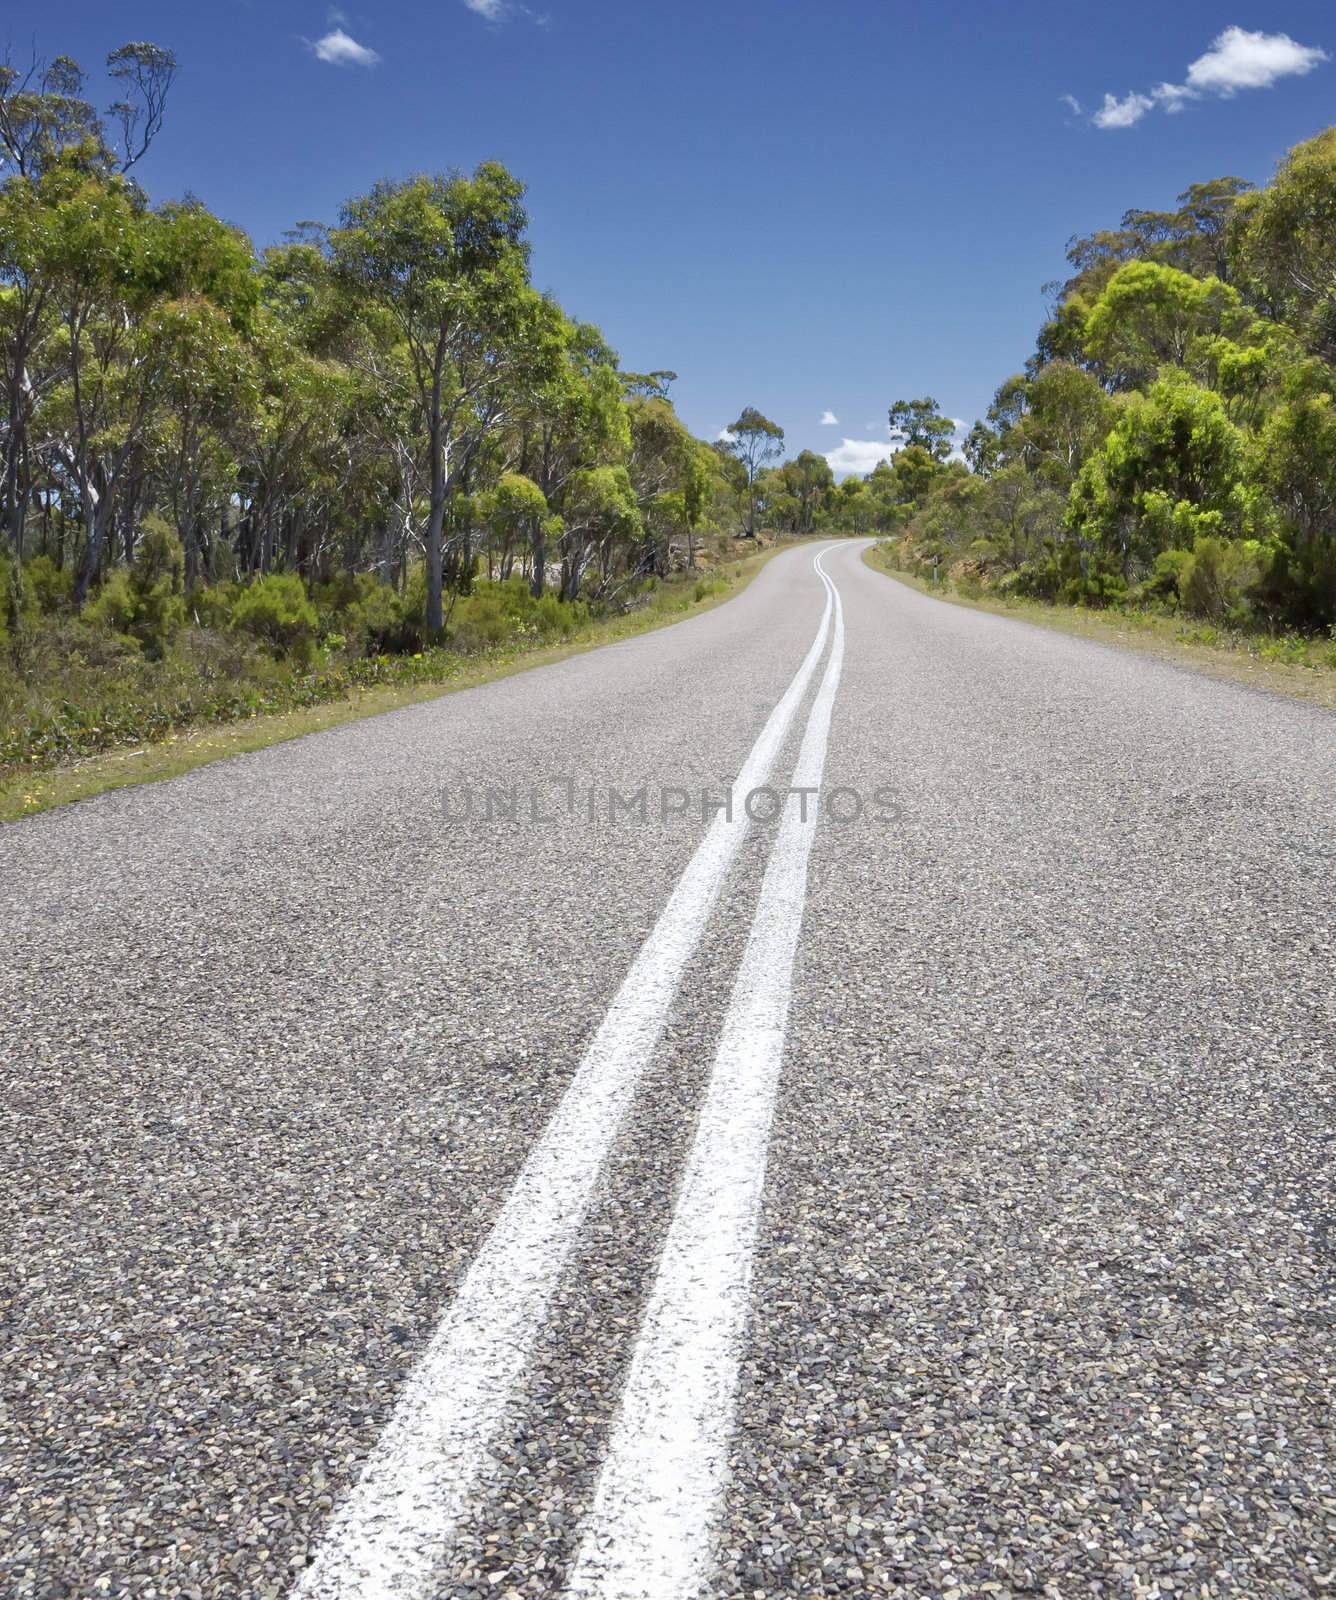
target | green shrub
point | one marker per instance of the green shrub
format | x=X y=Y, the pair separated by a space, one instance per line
x=1162 y=583
x=364 y=614
x=11 y=606
x=114 y=606
x=145 y=603
x=554 y=616
x=212 y=606
x=1033 y=580
x=1217 y=579
x=480 y=621
x=50 y=588
x=276 y=612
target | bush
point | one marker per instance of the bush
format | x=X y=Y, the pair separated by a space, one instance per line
x=1097 y=588
x=365 y=615
x=1033 y=580
x=1166 y=573
x=11 y=607
x=1216 y=581
x=499 y=613
x=479 y=621
x=145 y=603
x=114 y=606
x=552 y=615
x=276 y=612
x=212 y=606
x=50 y=588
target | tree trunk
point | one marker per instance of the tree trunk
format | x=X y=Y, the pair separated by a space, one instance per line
x=16 y=489
x=436 y=519
x=97 y=524
x=538 y=581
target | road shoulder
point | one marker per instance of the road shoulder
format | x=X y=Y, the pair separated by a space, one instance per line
x=1315 y=686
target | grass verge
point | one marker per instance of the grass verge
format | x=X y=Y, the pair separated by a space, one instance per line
x=23 y=794
x=1235 y=658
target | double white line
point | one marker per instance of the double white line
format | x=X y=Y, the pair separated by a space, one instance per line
x=647 y=1534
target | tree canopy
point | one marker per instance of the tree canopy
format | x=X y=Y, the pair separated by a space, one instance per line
x=1169 y=442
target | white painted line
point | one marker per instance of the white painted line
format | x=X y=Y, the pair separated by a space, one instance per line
x=648 y=1533
x=391 y=1533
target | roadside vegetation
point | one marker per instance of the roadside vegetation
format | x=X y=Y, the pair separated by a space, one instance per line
x=1168 y=453
x=166 y=718
x=1301 y=666
x=367 y=459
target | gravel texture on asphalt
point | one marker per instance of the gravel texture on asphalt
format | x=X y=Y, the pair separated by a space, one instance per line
x=1039 y=1305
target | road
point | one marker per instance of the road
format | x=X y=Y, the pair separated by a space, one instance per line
x=931 y=1196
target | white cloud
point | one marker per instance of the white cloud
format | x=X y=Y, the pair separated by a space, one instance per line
x=829 y=420
x=1123 y=113
x=1072 y=103
x=723 y=437
x=341 y=51
x=1236 y=60
x=858 y=456
x=1172 y=96
x=504 y=10
x=1242 y=60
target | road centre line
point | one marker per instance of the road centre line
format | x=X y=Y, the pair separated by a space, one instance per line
x=388 y=1537
x=647 y=1535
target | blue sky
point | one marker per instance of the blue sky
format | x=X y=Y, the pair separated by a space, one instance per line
x=814 y=209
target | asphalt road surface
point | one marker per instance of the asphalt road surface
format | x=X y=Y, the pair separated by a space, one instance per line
x=414 y=1191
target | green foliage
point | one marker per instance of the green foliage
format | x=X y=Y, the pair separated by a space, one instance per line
x=276 y=613
x=13 y=609
x=1218 y=578
x=920 y=425
x=1169 y=470
x=497 y=614
x=1150 y=316
x=1294 y=458
x=359 y=615
x=49 y=587
x=1172 y=442
x=1164 y=583
x=1284 y=244
x=754 y=439
x=144 y=603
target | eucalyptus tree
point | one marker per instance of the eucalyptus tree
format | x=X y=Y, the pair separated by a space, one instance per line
x=512 y=513
x=446 y=258
x=919 y=424
x=600 y=520
x=808 y=479
x=29 y=361
x=700 y=480
x=754 y=440
x=662 y=468
x=573 y=420
x=199 y=275
x=93 y=258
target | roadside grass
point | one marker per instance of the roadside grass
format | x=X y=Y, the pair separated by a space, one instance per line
x=24 y=791
x=1303 y=669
